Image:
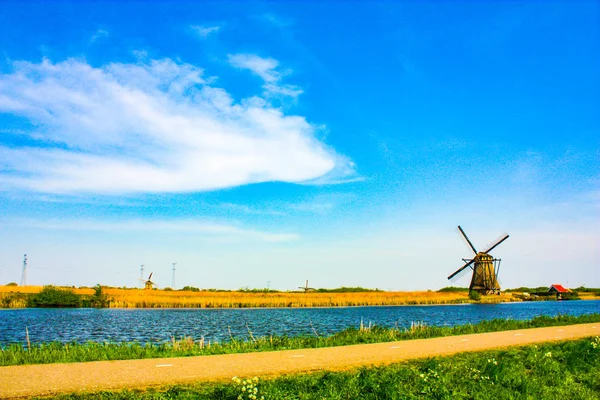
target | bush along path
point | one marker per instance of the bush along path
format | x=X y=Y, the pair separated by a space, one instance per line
x=44 y=353
x=35 y=380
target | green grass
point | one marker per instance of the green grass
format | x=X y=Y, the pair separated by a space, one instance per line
x=565 y=370
x=453 y=289
x=56 y=352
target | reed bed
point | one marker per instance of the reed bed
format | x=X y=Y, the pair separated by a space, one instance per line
x=160 y=299
x=44 y=353
x=14 y=296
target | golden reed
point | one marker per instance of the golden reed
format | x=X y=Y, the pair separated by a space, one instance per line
x=140 y=298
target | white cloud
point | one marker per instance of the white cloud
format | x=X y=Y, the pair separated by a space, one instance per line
x=204 y=31
x=209 y=230
x=266 y=68
x=150 y=127
x=263 y=67
x=100 y=33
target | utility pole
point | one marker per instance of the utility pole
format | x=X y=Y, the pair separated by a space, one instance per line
x=141 y=274
x=24 y=272
x=173 y=282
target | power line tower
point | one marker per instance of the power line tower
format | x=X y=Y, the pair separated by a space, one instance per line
x=24 y=272
x=141 y=274
x=173 y=281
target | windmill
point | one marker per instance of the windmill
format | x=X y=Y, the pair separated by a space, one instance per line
x=484 y=266
x=306 y=288
x=148 y=284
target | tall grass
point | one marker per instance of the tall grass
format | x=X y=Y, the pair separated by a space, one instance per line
x=566 y=370
x=18 y=297
x=17 y=354
x=11 y=296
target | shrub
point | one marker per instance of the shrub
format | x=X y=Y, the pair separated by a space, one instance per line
x=570 y=296
x=189 y=289
x=453 y=289
x=13 y=300
x=52 y=296
x=475 y=296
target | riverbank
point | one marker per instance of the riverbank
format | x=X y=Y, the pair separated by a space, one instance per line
x=567 y=368
x=36 y=296
x=21 y=297
x=45 y=353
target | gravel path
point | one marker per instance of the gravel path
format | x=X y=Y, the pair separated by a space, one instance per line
x=36 y=380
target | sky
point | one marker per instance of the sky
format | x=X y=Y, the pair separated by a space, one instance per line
x=261 y=144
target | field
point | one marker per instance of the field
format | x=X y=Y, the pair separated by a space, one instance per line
x=565 y=370
x=15 y=297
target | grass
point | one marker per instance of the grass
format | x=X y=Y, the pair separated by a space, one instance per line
x=567 y=370
x=17 y=354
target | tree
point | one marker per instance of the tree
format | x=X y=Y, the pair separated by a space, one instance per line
x=99 y=298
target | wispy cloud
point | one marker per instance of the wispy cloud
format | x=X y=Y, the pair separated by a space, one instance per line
x=153 y=126
x=166 y=227
x=203 y=31
x=267 y=69
x=276 y=20
x=100 y=33
x=263 y=67
x=243 y=208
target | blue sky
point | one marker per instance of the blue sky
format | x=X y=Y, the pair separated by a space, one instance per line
x=340 y=142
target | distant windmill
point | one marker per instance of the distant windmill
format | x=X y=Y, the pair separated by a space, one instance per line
x=306 y=288
x=485 y=268
x=148 y=284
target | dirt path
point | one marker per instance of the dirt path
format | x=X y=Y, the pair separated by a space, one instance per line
x=35 y=380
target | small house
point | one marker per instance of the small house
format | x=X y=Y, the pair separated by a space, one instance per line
x=559 y=290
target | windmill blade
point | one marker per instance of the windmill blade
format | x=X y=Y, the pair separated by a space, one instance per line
x=498 y=241
x=150 y=277
x=462 y=273
x=461 y=269
x=464 y=235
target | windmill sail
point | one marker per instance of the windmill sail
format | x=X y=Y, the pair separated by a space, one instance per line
x=484 y=267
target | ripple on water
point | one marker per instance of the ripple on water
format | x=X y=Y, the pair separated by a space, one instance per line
x=159 y=325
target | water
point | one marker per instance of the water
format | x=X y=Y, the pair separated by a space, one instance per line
x=158 y=325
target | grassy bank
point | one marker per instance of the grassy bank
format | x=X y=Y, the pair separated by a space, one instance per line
x=99 y=296
x=50 y=296
x=555 y=370
x=72 y=352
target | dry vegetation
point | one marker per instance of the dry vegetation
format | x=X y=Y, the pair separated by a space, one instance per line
x=139 y=298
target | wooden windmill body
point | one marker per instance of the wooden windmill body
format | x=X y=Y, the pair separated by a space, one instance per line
x=484 y=266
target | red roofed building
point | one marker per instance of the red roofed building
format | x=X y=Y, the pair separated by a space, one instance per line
x=559 y=290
